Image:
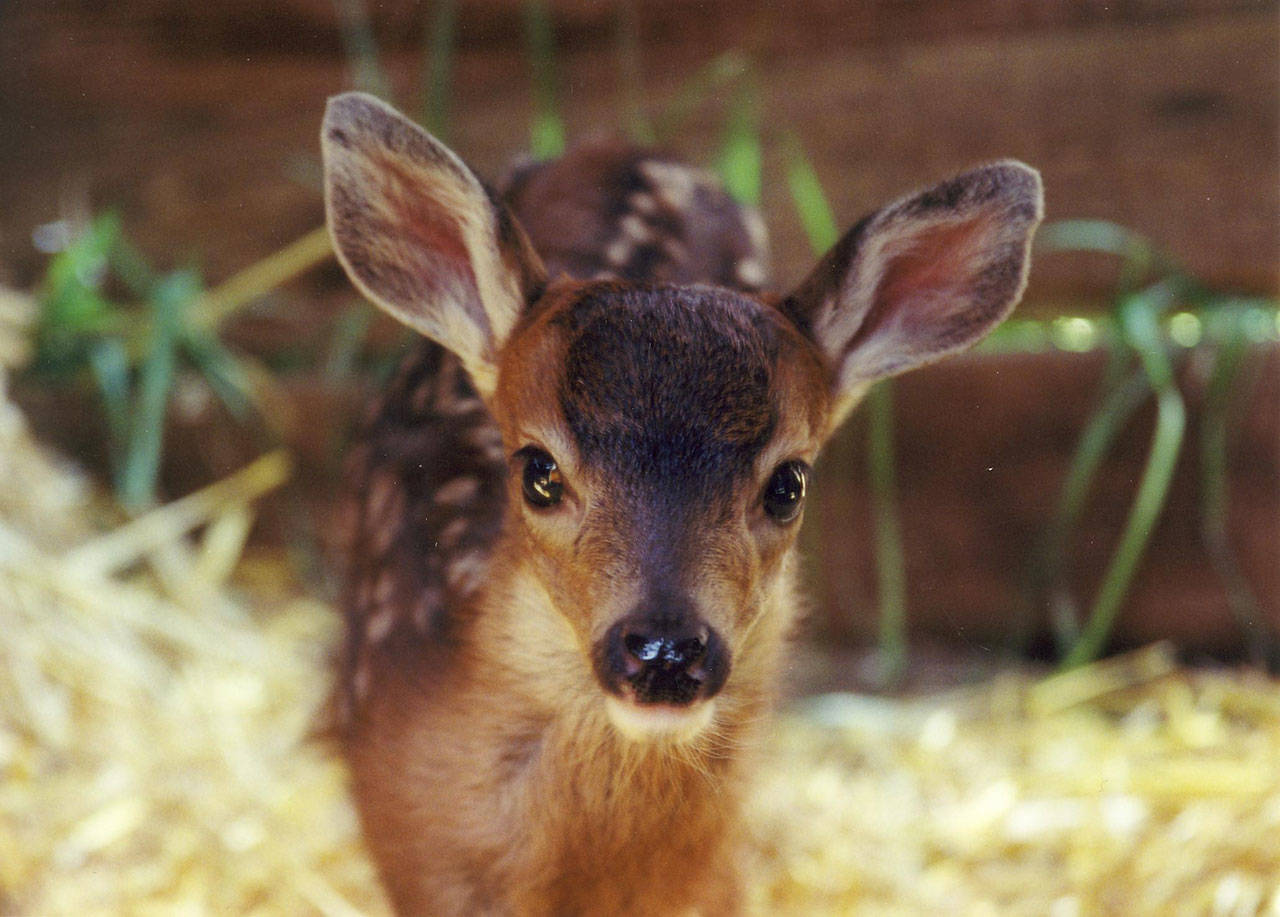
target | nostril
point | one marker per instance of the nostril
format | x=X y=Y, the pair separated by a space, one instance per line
x=665 y=652
x=689 y=651
x=645 y=649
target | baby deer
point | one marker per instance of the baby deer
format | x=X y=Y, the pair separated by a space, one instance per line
x=575 y=511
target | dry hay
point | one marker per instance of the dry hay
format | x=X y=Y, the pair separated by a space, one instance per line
x=1126 y=788
x=157 y=752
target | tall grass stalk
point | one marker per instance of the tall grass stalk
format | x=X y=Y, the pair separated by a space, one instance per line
x=1138 y=316
x=819 y=222
x=437 y=68
x=367 y=74
x=1224 y=386
x=547 y=133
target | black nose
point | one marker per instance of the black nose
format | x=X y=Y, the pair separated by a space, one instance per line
x=664 y=651
x=662 y=660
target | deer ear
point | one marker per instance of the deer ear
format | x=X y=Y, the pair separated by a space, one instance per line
x=924 y=277
x=420 y=235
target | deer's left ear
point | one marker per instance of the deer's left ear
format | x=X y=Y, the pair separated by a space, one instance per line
x=924 y=277
x=421 y=236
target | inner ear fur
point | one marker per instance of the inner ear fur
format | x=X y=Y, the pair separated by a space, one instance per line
x=926 y=276
x=421 y=236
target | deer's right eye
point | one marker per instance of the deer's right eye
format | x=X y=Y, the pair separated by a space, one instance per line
x=542 y=483
x=784 y=494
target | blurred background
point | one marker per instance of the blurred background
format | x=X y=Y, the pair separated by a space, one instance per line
x=192 y=128
x=1101 y=477
x=195 y=127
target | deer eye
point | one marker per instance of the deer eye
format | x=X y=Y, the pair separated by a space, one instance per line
x=784 y=494
x=542 y=483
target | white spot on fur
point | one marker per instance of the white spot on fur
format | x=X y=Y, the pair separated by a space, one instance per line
x=380 y=624
x=750 y=272
x=644 y=203
x=360 y=680
x=384 y=507
x=464 y=572
x=384 y=588
x=486 y=438
x=618 y=252
x=462 y=406
x=673 y=184
x=636 y=229
x=756 y=232
x=457 y=492
x=452 y=533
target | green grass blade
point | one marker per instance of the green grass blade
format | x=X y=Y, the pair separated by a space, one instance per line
x=820 y=226
x=1096 y=236
x=1220 y=396
x=220 y=368
x=891 y=572
x=72 y=306
x=740 y=162
x=1139 y=317
x=1139 y=258
x=346 y=341
x=547 y=134
x=1117 y=408
x=809 y=200
x=109 y=363
x=708 y=81
x=131 y=267
x=367 y=73
x=437 y=70
x=141 y=469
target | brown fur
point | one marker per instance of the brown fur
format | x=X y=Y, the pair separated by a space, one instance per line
x=496 y=759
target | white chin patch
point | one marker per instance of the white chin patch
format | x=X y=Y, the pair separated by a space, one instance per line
x=658 y=722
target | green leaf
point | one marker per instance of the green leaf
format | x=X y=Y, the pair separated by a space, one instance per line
x=348 y=338
x=891 y=568
x=440 y=38
x=170 y=299
x=710 y=79
x=809 y=200
x=367 y=73
x=220 y=368
x=109 y=362
x=1139 y=322
x=740 y=162
x=547 y=132
x=72 y=304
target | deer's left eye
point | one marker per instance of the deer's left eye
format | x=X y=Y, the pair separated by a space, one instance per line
x=541 y=481
x=784 y=494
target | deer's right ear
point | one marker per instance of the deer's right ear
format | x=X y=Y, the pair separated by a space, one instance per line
x=420 y=235
x=922 y=278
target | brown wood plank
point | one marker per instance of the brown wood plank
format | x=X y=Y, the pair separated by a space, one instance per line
x=1167 y=123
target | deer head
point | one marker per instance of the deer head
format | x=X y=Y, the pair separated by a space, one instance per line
x=660 y=437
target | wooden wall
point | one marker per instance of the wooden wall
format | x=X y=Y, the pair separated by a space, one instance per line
x=198 y=122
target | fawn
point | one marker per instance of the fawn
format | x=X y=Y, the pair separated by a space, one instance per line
x=574 y=510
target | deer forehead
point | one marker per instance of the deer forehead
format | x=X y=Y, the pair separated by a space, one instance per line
x=686 y=387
